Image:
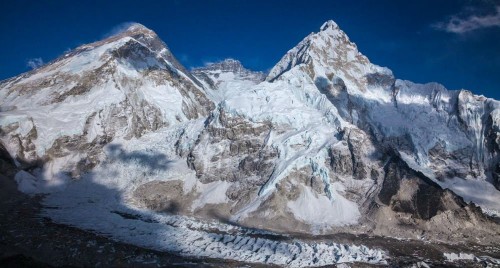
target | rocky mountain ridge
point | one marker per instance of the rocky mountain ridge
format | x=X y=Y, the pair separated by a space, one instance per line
x=327 y=143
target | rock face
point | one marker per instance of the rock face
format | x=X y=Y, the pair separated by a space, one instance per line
x=327 y=142
x=228 y=66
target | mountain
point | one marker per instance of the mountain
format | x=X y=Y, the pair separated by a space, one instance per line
x=123 y=86
x=221 y=79
x=327 y=143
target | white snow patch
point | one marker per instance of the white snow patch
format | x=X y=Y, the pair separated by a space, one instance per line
x=26 y=182
x=320 y=211
x=459 y=256
x=489 y=261
x=249 y=208
x=481 y=193
x=211 y=193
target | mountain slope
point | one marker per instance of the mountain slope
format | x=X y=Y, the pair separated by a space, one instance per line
x=447 y=135
x=294 y=148
x=327 y=143
x=123 y=86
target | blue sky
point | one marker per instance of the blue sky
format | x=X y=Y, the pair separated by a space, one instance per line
x=453 y=42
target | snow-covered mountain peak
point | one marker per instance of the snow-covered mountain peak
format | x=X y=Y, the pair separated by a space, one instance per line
x=144 y=35
x=131 y=76
x=330 y=57
x=329 y=25
x=137 y=27
x=331 y=34
x=136 y=39
x=137 y=47
x=147 y=38
x=135 y=31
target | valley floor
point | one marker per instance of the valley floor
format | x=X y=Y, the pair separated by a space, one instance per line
x=28 y=240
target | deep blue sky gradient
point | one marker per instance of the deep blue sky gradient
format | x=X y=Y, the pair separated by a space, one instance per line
x=395 y=34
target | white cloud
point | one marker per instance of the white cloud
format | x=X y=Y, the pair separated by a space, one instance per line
x=460 y=24
x=34 y=63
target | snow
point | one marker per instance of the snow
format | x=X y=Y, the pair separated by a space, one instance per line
x=459 y=256
x=167 y=98
x=411 y=111
x=320 y=211
x=96 y=201
x=52 y=177
x=415 y=109
x=151 y=157
x=328 y=24
x=312 y=123
x=92 y=204
x=477 y=191
x=293 y=101
x=481 y=193
x=484 y=260
x=26 y=182
x=68 y=118
x=65 y=119
x=90 y=59
x=315 y=138
x=211 y=193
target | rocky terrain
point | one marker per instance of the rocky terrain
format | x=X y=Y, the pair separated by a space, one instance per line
x=327 y=159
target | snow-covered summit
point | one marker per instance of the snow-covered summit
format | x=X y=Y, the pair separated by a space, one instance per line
x=135 y=26
x=329 y=54
x=330 y=24
x=135 y=31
